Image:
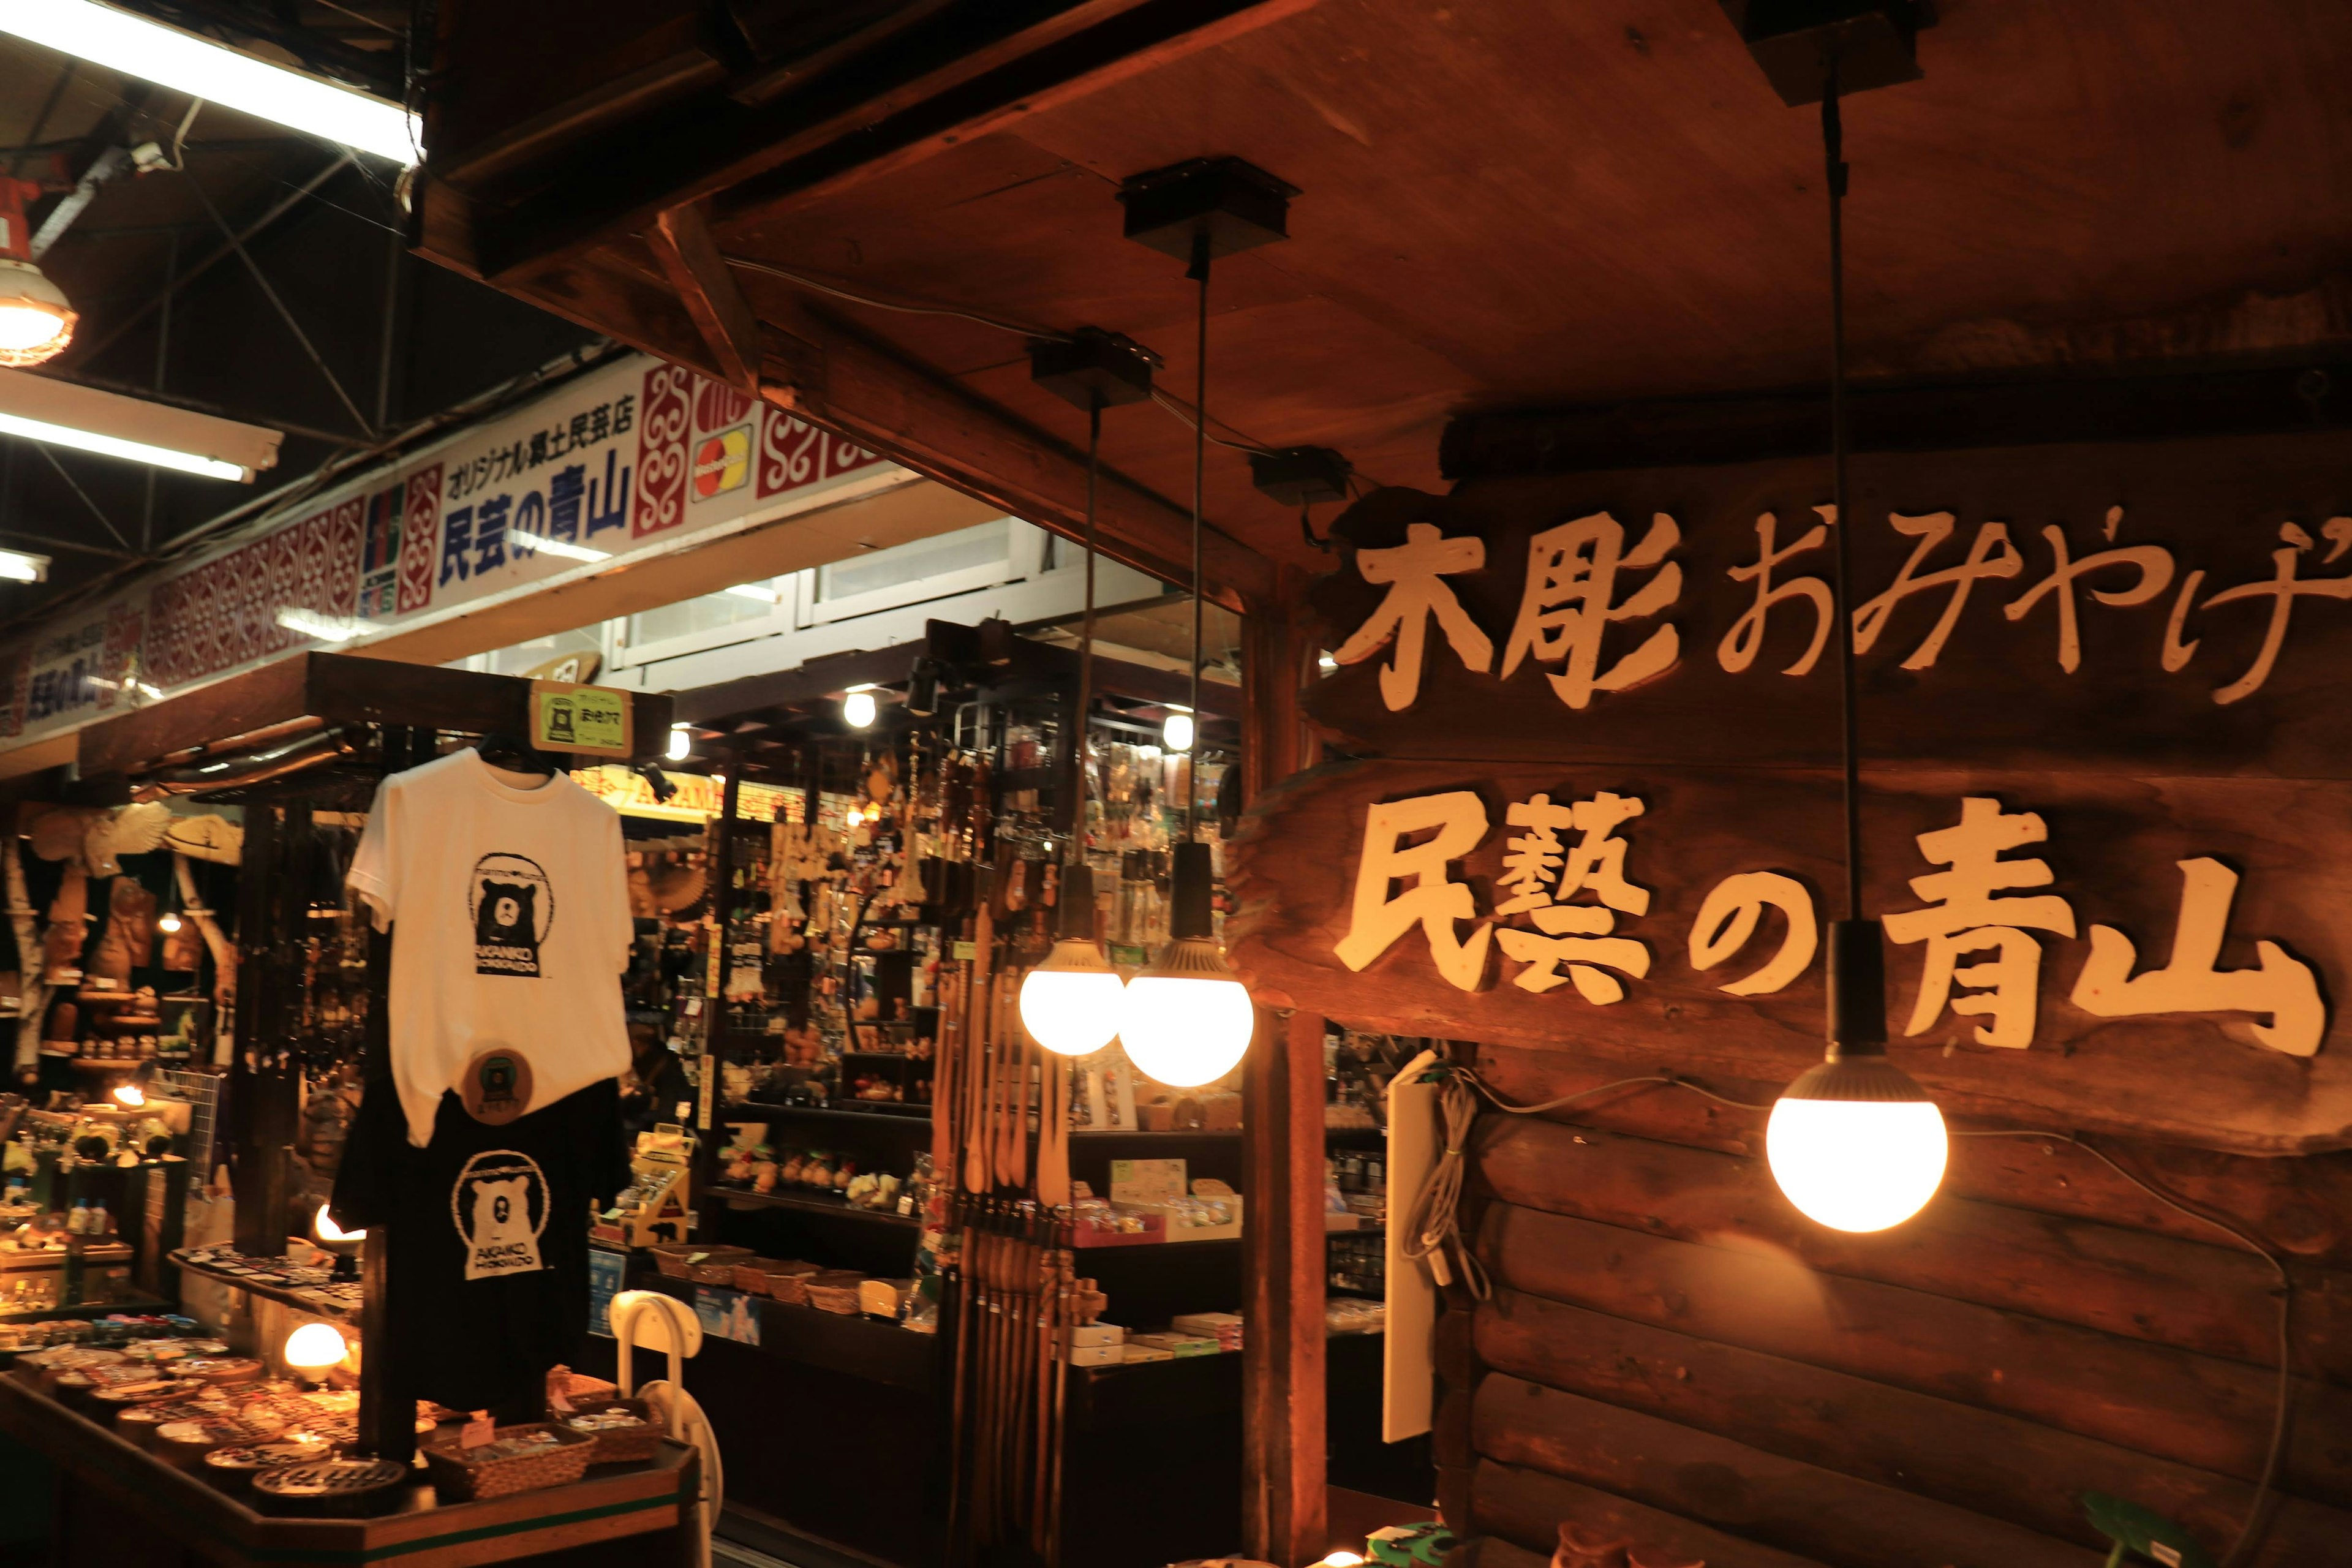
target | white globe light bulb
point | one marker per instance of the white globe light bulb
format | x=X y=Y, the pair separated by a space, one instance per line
x=681 y=744
x=1182 y=1024
x=1071 y=1003
x=857 y=709
x=1856 y=1146
x=1176 y=733
x=315 y=1347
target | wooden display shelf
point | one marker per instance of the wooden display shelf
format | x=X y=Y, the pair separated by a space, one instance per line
x=140 y=1301
x=848 y=1342
x=1172 y=1134
x=883 y=1113
x=809 y=1203
x=285 y=1295
x=418 y=1530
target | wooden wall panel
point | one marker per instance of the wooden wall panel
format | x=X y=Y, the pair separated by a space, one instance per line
x=2199 y=1411
x=2301 y=1206
x=1525 y=1509
x=1839 y=1519
x=2126 y=1282
x=1991 y=1464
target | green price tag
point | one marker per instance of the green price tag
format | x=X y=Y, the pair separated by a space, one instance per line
x=569 y=717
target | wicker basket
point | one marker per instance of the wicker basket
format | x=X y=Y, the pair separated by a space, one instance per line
x=670 y=1257
x=789 y=1282
x=622 y=1445
x=456 y=1471
x=834 y=1291
x=752 y=1276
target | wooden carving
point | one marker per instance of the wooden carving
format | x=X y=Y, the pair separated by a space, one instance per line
x=2095 y=951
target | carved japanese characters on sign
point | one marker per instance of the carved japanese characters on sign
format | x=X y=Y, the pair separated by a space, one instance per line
x=1668 y=617
x=1564 y=875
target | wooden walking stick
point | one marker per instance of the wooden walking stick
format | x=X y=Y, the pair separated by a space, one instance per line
x=1065 y=1294
x=975 y=1173
x=958 y=1450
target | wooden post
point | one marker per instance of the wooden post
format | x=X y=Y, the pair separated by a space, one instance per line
x=1283 y=1505
x=263 y=1111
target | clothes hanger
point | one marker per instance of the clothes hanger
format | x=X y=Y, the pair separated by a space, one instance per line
x=513 y=754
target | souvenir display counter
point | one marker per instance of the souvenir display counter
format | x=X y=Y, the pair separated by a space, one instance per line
x=118 y=1503
x=283 y=1429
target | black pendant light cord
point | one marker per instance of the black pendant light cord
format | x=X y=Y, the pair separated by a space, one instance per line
x=1200 y=271
x=1086 y=641
x=1841 y=596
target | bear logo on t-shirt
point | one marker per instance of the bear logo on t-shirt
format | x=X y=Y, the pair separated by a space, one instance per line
x=499 y=1206
x=513 y=906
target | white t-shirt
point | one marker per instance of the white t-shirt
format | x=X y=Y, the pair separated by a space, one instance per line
x=512 y=909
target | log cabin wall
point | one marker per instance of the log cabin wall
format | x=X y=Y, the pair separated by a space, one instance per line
x=1672 y=1355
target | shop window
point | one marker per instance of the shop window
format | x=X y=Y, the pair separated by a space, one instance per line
x=927 y=569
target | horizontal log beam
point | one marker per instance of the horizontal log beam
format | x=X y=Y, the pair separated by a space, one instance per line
x=1837 y=1520
x=2195 y=1410
x=882 y=401
x=1527 y=1508
x=2302 y=1205
x=1669 y=432
x=2153 y=1287
x=1988 y=1463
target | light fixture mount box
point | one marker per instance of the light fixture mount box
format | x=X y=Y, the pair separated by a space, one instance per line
x=1300 y=476
x=1236 y=206
x=1093 y=367
x=1873 y=41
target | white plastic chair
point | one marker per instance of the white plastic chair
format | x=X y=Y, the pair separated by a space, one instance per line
x=669 y=1324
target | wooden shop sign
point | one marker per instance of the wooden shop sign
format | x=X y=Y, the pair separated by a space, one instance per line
x=2173 y=608
x=2107 y=709
x=2154 y=956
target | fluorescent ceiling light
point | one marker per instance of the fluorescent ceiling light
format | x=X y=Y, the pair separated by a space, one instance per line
x=326 y=628
x=753 y=591
x=541 y=545
x=114 y=447
x=15 y=566
x=47 y=409
x=201 y=69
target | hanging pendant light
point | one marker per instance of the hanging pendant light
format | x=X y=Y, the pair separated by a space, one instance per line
x=1071 y=1004
x=1187 y=1020
x=1854 y=1143
x=37 y=321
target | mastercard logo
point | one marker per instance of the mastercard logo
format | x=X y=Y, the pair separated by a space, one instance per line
x=722 y=463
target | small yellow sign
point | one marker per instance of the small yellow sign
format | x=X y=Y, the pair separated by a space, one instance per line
x=593 y=720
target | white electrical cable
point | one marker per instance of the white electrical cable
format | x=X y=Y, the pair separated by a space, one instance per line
x=679 y=1333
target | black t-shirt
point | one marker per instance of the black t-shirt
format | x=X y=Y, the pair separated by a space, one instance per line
x=486 y=1236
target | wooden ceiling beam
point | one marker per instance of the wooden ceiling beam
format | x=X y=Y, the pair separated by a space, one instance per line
x=881 y=400
x=836 y=378
x=681 y=241
x=931 y=86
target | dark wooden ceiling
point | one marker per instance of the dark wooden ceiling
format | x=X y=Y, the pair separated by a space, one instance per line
x=1503 y=205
